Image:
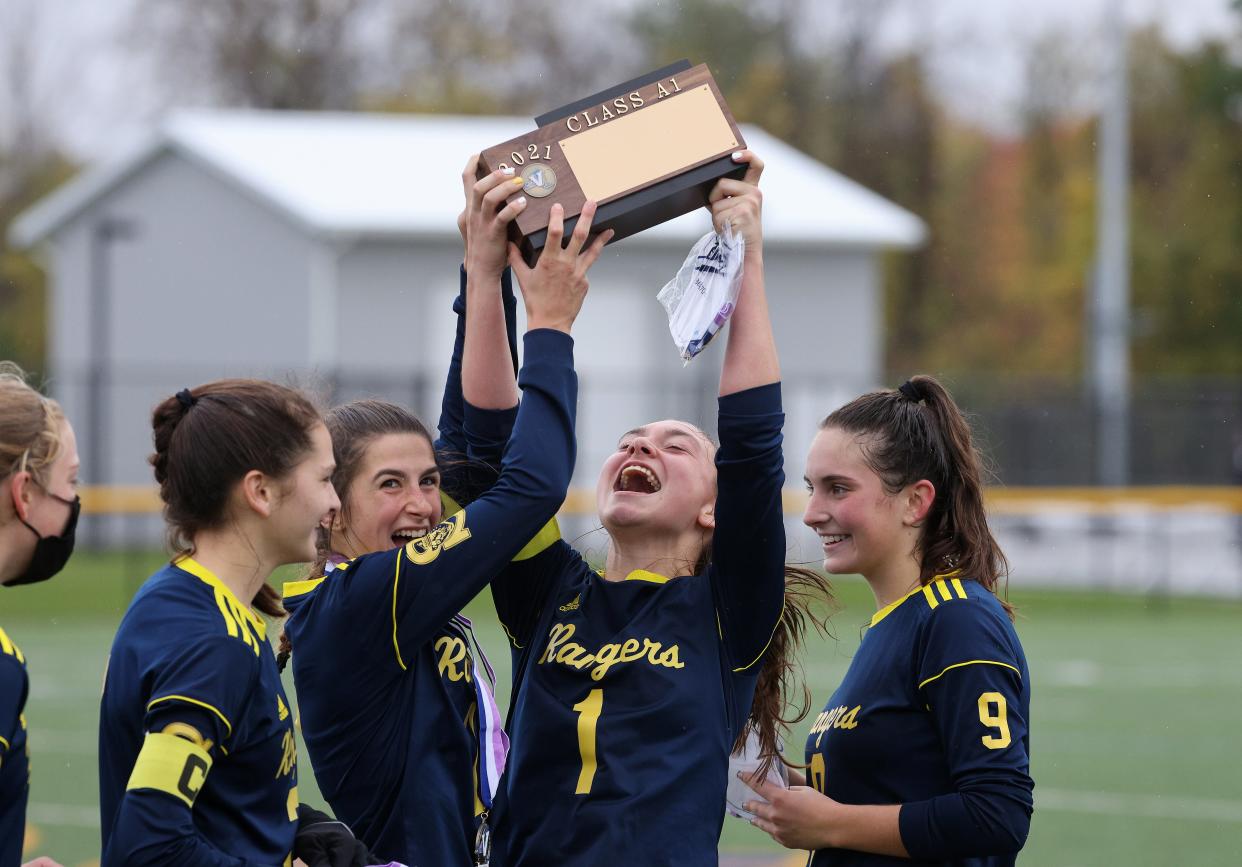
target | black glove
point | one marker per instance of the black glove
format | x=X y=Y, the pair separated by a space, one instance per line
x=322 y=841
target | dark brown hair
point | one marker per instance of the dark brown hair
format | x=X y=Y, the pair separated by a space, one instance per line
x=353 y=427
x=917 y=432
x=207 y=439
x=782 y=698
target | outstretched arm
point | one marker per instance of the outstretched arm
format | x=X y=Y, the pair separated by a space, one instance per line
x=434 y=576
x=488 y=378
x=458 y=421
x=750 y=357
x=748 y=544
x=470 y=438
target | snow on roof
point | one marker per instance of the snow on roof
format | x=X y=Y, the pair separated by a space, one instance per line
x=400 y=175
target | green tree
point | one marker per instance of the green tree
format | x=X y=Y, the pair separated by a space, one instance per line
x=870 y=116
x=1187 y=208
x=480 y=56
x=23 y=291
x=30 y=167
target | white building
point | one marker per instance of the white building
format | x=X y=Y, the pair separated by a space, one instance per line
x=325 y=247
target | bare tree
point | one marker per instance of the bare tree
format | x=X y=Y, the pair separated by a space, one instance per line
x=24 y=138
x=469 y=56
x=282 y=54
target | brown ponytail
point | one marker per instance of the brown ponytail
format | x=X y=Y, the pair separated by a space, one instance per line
x=917 y=432
x=809 y=600
x=780 y=690
x=209 y=437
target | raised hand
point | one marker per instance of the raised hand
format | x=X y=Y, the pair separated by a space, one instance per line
x=750 y=357
x=740 y=203
x=484 y=220
x=554 y=289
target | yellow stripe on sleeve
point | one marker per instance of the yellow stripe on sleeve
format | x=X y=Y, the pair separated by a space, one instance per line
x=298 y=588
x=227 y=725
x=970 y=662
x=512 y=640
x=229 y=622
x=542 y=541
x=766 y=646
x=944 y=590
x=9 y=648
x=395 y=578
x=931 y=596
x=171 y=765
x=958 y=588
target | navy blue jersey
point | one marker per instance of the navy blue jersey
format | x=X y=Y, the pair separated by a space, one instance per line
x=197 y=764
x=629 y=694
x=14 y=755
x=385 y=698
x=933 y=715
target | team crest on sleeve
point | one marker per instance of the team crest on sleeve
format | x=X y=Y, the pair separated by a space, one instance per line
x=445 y=535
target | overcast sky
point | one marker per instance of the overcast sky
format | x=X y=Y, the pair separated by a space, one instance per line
x=100 y=97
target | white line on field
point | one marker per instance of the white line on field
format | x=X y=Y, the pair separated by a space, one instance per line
x=1148 y=806
x=1057 y=800
x=63 y=816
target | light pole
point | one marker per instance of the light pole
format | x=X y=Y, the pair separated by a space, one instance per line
x=104 y=234
x=1110 y=320
x=1109 y=350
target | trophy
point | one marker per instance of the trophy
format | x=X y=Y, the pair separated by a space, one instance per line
x=646 y=151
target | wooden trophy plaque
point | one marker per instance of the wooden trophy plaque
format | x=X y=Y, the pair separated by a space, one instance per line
x=646 y=151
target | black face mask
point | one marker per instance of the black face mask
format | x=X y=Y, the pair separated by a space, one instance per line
x=51 y=553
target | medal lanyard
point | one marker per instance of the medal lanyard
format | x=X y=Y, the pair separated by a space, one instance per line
x=493 y=742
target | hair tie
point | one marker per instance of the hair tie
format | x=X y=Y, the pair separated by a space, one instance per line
x=910 y=391
x=186 y=399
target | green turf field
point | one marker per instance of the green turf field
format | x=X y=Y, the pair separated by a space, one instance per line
x=1137 y=705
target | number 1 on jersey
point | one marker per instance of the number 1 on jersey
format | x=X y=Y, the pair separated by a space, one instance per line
x=588 y=715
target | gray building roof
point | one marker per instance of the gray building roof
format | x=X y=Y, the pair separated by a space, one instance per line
x=355 y=175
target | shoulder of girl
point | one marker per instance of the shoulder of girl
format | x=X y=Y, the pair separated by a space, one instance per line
x=959 y=601
x=976 y=622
